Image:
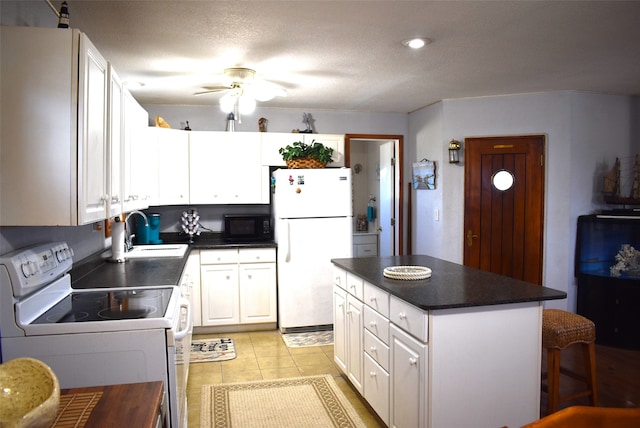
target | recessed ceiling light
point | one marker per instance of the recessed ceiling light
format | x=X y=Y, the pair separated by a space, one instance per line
x=416 y=43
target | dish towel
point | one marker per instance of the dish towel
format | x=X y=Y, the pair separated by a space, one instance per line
x=371 y=213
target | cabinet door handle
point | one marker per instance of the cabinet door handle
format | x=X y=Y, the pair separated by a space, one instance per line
x=341 y=305
x=372 y=298
x=372 y=374
x=372 y=323
x=372 y=349
x=413 y=361
x=402 y=315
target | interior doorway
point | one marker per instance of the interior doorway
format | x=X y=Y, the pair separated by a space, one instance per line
x=504 y=205
x=376 y=161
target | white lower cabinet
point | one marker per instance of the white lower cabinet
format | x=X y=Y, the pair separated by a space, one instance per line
x=382 y=361
x=347 y=332
x=365 y=244
x=376 y=387
x=238 y=286
x=220 y=294
x=257 y=293
x=354 y=318
x=340 y=327
x=408 y=380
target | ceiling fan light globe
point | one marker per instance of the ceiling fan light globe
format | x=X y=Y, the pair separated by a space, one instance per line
x=246 y=105
x=263 y=96
x=227 y=103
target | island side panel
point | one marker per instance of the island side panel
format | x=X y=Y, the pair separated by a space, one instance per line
x=484 y=365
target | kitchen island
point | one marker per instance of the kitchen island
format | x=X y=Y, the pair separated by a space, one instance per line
x=459 y=349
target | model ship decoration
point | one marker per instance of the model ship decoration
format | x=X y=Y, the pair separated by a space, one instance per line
x=613 y=185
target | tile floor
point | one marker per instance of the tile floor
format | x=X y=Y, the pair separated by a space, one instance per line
x=263 y=355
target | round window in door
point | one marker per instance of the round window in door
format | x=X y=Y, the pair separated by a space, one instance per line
x=502 y=180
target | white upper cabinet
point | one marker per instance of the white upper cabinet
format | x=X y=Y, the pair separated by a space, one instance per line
x=54 y=122
x=92 y=133
x=271 y=144
x=226 y=168
x=273 y=141
x=173 y=165
x=115 y=145
x=140 y=157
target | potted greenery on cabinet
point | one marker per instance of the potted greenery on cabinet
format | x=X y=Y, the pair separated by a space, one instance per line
x=301 y=155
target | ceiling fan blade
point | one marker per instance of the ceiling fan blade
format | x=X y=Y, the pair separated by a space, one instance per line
x=265 y=91
x=212 y=89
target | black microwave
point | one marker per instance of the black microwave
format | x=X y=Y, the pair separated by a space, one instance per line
x=247 y=228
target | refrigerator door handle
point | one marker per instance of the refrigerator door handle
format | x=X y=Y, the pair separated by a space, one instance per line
x=287 y=257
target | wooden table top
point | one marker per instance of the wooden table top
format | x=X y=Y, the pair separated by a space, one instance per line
x=133 y=405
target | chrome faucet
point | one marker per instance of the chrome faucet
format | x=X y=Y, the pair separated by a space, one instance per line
x=128 y=245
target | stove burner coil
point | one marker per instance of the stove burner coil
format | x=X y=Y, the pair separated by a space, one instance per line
x=116 y=313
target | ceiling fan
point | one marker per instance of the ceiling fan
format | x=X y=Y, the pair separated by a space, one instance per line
x=243 y=90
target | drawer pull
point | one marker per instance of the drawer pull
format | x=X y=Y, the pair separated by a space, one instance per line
x=413 y=361
x=372 y=298
x=372 y=349
x=372 y=374
x=402 y=315
x=341 y=305
x=373 y=323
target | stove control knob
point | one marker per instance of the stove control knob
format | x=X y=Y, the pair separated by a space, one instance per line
x=63 y=254
x=29 y=269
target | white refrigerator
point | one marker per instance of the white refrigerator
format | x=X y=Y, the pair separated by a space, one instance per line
x=313 y=224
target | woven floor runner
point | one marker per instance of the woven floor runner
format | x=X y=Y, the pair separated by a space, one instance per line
x=310 y=402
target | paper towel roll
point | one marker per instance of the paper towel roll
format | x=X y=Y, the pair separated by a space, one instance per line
x=117 y=241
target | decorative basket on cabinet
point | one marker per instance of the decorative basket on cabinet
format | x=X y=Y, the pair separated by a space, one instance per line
x=300 y=155
x=305 y=163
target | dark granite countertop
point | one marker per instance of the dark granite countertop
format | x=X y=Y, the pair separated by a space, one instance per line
x=97 y=272
x=451 y=285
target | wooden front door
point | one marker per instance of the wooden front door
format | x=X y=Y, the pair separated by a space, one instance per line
x=504 y=205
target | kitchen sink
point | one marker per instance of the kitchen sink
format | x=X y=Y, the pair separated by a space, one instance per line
x=161 y=250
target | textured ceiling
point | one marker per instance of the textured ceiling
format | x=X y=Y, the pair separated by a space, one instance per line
x=348 y=55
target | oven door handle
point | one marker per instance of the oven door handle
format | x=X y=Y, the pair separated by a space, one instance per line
x=181 y=334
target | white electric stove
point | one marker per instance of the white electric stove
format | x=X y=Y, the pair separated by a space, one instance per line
x=96 y=336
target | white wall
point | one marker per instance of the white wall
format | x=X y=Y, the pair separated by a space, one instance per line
x=583 y=132
x=426 y=133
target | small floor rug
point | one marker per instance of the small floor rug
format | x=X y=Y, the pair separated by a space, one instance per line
x=208 y=350
x=313 y=338
x=310 y=402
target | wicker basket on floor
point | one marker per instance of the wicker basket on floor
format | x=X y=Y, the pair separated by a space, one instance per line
x=301 y=163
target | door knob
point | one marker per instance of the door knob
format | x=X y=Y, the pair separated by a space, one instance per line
x=470 y=237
